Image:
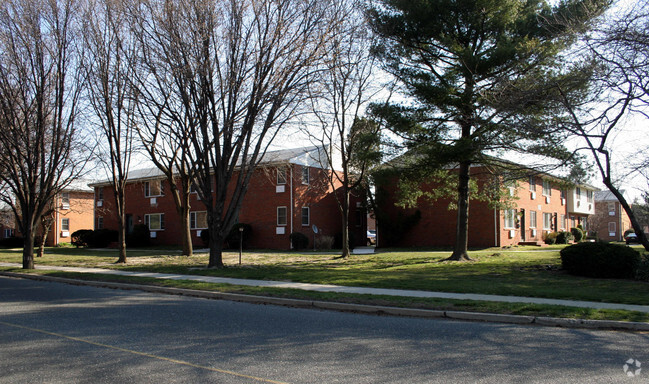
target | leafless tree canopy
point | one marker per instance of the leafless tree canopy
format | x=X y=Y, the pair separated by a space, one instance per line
x=340 y=92
x=228 y=74
x=109 y=46
x=617 y=67
x=39 y=89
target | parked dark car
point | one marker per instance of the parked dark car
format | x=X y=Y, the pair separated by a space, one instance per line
x=632 y=238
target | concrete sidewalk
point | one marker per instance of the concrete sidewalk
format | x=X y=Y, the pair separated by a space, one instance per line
x=345 y=289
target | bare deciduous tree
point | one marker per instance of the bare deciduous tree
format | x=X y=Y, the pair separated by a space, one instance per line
x=39 y=92
x=340 y=93
x=235 y=71
x=618 y=69
x=110 y=93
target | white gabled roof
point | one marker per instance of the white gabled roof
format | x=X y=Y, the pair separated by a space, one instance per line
x=78 y=186
x=307 y=156
x=609 y=196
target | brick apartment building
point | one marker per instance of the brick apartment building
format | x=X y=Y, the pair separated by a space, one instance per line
x=541 y=206
x=289 y=192
x=7 y=224
x=73 y=210
x=611 y=221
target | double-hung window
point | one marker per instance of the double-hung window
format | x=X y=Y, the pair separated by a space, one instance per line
x=65 y=200
x=153 y=188
x=281 y=176
x=198 y=220
x=547 y=221
x=281 y=216
x=305 y=175
x=532 y=219
x=155 y=221
x=510 y=218
x=65 y=224
x=547 y=188
x=305 y=216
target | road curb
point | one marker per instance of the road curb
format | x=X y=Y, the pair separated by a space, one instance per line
x=354 y=308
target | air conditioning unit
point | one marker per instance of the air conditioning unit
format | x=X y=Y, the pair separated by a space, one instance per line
x=154 y=201
x=198 y=233
x=563 y=201
x=533 y=195
x=512 y=233
x=547 y=199
x=279 y=189
x=280 y=230
x=611 y=213
x=100 y=203
x=533 y=232
x=65 y=234
x=578 y=203
x=611 y=234
x=154 y=235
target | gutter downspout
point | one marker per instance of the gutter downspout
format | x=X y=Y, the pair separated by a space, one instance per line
x=56 y=227
x=495 y=228
x=291 y=209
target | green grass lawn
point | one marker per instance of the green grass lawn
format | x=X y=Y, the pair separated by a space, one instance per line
x=520 y=271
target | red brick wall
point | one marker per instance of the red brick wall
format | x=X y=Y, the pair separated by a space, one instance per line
x=437 y=226
x=80 y=215
x=259 y=209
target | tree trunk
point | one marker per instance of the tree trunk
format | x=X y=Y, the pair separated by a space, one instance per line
x=121 y=237
x=216 y=248
x=28 y=250
x=642 y=237
x=43 y=239
x=462 y=230
x=186 y=235
x=345 y=217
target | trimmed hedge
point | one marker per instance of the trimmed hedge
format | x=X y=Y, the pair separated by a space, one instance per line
x=12 y=242
x=234 y=237
x=600 y=260
x=139 y=237
x=578 y=234
x=82 y=237
x=299 y=240
x=551 y=238
x=564 y=237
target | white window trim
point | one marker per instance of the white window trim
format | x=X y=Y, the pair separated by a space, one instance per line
x=510 y=215
x=147 y=188
x=65 y=200
x=532 y=183
x=100 y=219
x=308 y=216
x=549 y=189
x=306 y=172
x=614 y=227
x=195 y=221
x=532 y=223
x=548 y=228
x=285 y=216
x=147 y=221
x=562 y=222
x=64 y=220
x=281 y=171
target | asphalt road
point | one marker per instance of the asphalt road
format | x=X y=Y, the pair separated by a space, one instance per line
x=58 y=333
